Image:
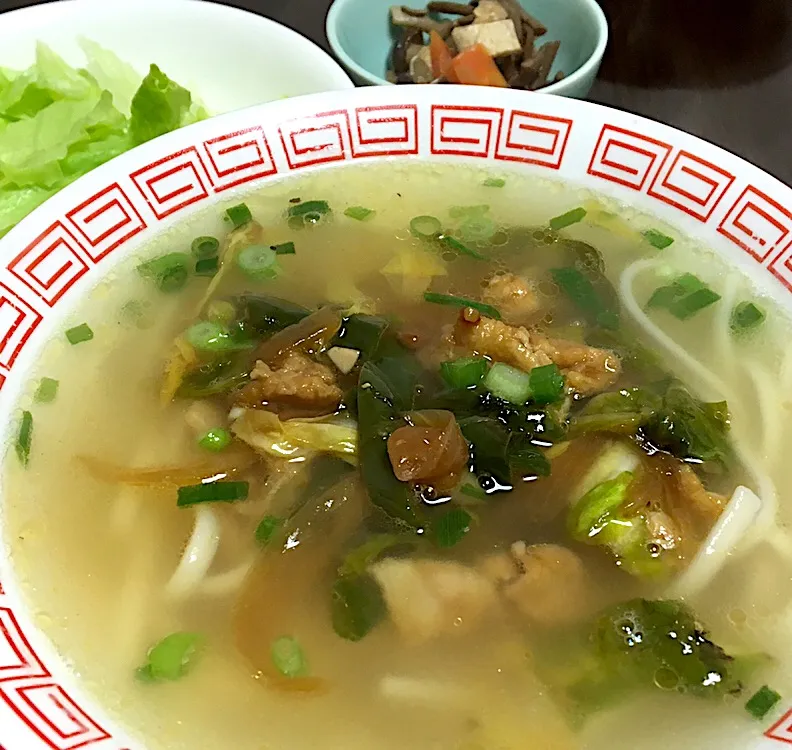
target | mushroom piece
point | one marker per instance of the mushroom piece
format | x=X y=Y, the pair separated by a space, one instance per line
x=406 y=38
x=453 y=9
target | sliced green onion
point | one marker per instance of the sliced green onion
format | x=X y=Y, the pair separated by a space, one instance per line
x=468 y=212
x=478 y=229
x=221 y=311
x=207 y=266
x=172 y=657
x=451 y=527
x=762 y=702
x=464 y=372
x=307 y=208
x=79 y=334
x=459 y=248
x=169 y=272
x=285 y=248
x=746 y=316
x=138 y=313
x=454 y=301
x=580 y=290
x=267 y=528
x=688 y=306
x=359 y=213
x=215 y=440
x=494 y=182
x=568 y=218
x=658 y=239
x=288 y=657
x=24 y=438
x=204 y=247
x=547 y=384
x=473 y=490
x=426 y=227
x=508 y=383
x=239 y=215
x=47 y=391
x=212 y=492
x=258 y=262
x=206 y=336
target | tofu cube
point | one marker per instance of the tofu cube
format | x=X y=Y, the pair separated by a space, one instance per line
x=498 y=37
x=488 y=11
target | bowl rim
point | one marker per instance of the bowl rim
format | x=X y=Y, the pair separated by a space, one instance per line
x=330 y=67
x=588 y=67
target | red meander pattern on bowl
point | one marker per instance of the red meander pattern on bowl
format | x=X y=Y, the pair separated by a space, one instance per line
x=61 y=251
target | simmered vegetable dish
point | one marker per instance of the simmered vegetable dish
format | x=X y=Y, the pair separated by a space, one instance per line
x=443 y=469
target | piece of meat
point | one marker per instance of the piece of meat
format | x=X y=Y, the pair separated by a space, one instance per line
x=428 y=598
x=588 y=370
x=515 y=297
x=547 y=583
x=299 y=383
x=705 y=506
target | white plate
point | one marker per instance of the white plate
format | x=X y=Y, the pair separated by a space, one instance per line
x=227 y=57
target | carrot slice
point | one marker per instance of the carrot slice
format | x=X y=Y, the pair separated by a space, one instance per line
x=441 y=58
x=475 y=66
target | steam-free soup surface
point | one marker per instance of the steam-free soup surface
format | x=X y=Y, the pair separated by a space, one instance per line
x=412 y=458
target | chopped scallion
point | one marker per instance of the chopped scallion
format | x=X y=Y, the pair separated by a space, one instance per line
x=426 y=227
x=79 y=334
x=478 y=229
x=47 y=391
x=215 y=440
x=207 y=266
x=288 y=657
x=464 y=372
x=568 y=218
x=547 y=384
x=454 y=301
x=459 y=248
x=204 y=247
x=309 y=208
x=746 y=316
x=762 y=702
x=359 y=213
x=171 y=658
x=451 y=527
x=267 y=528
x=494 y=182
x=206 y=336
x=239 y=215
x=684 y=308
x=508 y=383
x=258 y=262
x=658 y=239
x=212 y=492
x=24 y=438
x=285 y=248
x=168 y=272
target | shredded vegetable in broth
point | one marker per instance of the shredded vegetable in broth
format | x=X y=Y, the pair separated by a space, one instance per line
x=402 y=460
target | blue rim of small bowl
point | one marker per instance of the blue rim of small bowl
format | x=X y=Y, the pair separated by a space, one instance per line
x=592 y=61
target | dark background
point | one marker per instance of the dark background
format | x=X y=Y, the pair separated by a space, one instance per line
x=721 y=69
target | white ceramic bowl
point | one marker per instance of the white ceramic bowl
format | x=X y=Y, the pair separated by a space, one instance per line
x=53 y=258
x=227 y=57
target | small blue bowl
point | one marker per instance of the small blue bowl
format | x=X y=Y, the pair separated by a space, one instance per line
x=360 y=35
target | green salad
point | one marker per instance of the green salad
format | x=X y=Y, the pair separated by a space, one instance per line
x=58 y=122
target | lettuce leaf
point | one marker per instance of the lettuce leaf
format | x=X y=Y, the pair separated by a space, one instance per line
x=58 y=122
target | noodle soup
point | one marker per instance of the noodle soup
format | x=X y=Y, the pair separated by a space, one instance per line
x=427 y=458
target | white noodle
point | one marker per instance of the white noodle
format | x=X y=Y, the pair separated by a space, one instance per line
x=223 y=584
x=198 y=555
